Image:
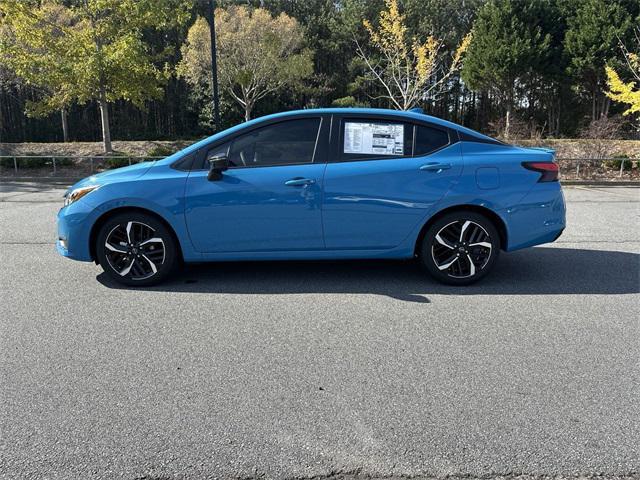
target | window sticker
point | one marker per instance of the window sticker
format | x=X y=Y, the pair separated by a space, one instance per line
x=374 y=138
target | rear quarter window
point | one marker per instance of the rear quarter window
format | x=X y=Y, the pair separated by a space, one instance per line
x=429 y=140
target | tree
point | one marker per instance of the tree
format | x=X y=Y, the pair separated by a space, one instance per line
x=342 y=65
x=325 y=32
x=594 y=28
x=257 y=54
x=628 y=93
x=548 y=93
x=34 y=61
x=508 y=46
x=451 y=21
x=406 y=69
x=90 y=50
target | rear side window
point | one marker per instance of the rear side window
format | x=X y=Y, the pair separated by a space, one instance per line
x=429 y=140
x=284 y=143
x=368 y=139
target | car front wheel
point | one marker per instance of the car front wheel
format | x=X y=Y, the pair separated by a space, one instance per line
x=136 y=249
x=460 y=248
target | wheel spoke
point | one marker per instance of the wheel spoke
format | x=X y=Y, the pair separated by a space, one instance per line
x=464 y=228
x=129 y=225
x=472 y=267
x=447 y=265
x=152 y=240
x=114 y=249
x=443 y=242
x=480 y=244
x=127 y=269
x=154 y=269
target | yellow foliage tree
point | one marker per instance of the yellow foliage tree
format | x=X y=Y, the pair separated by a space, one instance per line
x=407 y=69
x=626 y=92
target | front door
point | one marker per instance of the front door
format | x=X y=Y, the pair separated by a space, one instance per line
x=384 y=178
x=269 y=199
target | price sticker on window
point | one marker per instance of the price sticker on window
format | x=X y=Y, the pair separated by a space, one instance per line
x=374 y=138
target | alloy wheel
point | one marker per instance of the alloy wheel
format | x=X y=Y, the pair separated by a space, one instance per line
x=461 y=249
x=134 y=250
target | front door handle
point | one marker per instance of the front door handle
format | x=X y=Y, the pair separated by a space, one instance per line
x=299 y=181
x=435 y=167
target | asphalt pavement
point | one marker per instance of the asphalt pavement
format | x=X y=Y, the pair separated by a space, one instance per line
x=323 y=369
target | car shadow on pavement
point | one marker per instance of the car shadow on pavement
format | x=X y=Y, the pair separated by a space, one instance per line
x=535 y=271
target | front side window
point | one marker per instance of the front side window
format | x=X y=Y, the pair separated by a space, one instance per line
x=217 y=152
x=285 y=143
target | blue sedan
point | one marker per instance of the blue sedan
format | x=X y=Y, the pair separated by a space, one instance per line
x=319 y=184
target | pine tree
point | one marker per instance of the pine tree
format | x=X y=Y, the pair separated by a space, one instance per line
x=594 y=29
x=508 y=46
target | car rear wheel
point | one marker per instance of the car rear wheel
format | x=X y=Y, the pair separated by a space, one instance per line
x=460 y=248
x=136 y=249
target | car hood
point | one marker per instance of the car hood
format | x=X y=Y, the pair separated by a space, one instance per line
x=116 y=175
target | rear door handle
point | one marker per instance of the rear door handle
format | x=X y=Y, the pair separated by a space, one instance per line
x=435 y=167
x=299 y=181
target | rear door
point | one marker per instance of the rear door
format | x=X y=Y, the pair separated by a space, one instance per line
x=269 y=198
x=383 y=177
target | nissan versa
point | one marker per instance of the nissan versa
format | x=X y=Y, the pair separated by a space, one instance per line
x=319 y=184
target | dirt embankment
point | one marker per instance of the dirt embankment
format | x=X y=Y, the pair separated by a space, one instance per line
x=586 y=148
x=579 y=159
x=92 y=149
x=565 y=148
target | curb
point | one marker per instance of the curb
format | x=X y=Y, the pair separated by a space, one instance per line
x=46 y=180
x=601 y=183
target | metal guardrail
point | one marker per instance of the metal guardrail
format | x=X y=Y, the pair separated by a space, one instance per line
x=569 y=167
x=581 y=167
x=57 y=161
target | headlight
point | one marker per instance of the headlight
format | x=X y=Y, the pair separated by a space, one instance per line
x=77 y=194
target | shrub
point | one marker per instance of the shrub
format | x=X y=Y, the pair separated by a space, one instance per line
x=597 y=138
x=616 y=163
x=36 y=162
x=161 y=151
x=6 y=162
x=348 y=102
x=64 y=162
x=117 y=162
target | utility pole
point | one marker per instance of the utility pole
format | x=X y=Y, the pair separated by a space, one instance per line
x=211 y=14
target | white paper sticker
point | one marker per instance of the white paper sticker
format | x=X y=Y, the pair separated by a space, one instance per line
x=374 y=138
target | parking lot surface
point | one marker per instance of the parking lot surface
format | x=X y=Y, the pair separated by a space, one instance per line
x=303 y=369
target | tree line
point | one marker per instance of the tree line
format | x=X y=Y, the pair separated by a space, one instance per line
x=86 y=70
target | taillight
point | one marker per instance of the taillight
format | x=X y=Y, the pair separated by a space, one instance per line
x=548 y=170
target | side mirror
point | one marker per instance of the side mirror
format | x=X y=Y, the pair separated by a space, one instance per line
x=217 y=165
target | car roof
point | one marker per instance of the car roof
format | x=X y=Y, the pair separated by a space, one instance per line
x=406 y=115
x=416 y=114
x=363 y=111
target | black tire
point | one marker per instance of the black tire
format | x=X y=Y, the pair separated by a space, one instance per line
x=460 y=248
x=136 y=249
